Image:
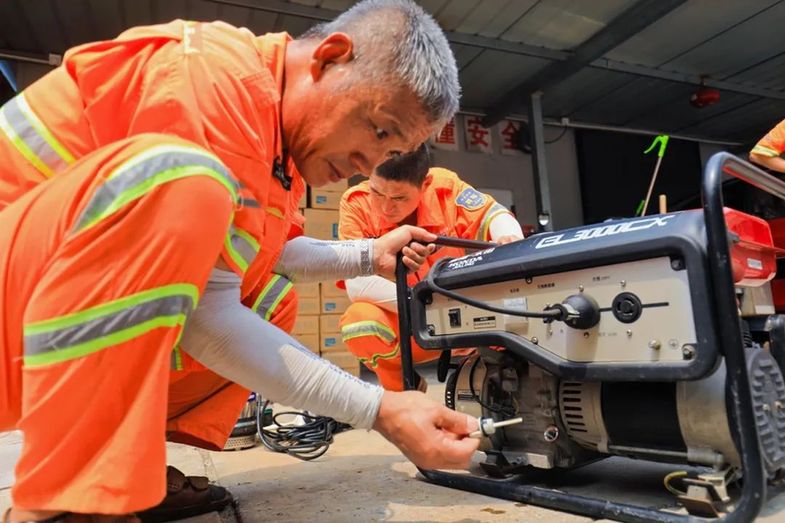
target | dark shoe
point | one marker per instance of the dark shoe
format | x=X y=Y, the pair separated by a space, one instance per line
x=186 y=496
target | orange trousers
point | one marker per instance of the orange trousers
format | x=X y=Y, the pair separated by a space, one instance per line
x=371 y=333
x=99 y=270
x=203 y=407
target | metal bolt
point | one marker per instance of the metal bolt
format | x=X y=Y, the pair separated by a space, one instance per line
x=688 y=351
x=629 y=333
x=778 y=405
x=535 y=340
x=672 y=343
x=580 y=288
x=654 y=344
x=528 y=279
x=766 y=408
x=623 y=283
x=585 y=334
x=551 y=434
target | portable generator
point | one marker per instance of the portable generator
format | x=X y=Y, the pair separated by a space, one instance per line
x=623 y=338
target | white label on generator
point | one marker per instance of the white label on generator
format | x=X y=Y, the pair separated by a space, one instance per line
x=752 y=263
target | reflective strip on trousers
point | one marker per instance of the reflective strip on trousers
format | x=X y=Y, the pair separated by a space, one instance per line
x=367 y=328
x=373 y=361
x=272 y=294
x=85 y=332
x=146 y=171
x=32 y=138
x=242 y=247
x=483 y=233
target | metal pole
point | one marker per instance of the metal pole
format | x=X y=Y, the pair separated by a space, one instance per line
x=539 y=164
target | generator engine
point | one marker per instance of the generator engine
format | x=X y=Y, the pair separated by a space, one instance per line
x=603 y=340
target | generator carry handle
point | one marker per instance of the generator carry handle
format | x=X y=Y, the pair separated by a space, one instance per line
x=742 y=419
x=742 y=423
x=404 y=297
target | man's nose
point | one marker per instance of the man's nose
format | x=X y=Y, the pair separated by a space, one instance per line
x=388 y=206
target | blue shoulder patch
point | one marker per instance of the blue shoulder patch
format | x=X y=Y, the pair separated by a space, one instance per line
x=470 y=199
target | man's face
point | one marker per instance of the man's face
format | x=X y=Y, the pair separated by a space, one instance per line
x=352 y=128
x=393 y=200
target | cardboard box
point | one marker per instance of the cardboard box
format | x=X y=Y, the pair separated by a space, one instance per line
x=321 y=224
x=332 y=342
x=330 y=290
x=342 y=359
x=338 y=187
x=310 y=341
x=307 y=290
x=307 y=306
x=335 y=305
x=306 y=324
x=321 y=199
x=329 y=323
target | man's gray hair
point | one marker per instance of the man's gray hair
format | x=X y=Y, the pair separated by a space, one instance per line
x=396 y=40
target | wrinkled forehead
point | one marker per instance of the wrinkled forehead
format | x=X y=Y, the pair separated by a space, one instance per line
x=399 y=106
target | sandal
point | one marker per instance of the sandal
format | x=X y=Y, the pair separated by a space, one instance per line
x=186 y=496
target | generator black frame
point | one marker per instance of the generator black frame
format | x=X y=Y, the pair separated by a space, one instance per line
x=730 y=344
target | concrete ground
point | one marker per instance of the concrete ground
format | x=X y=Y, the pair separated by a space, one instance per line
x=364 y=478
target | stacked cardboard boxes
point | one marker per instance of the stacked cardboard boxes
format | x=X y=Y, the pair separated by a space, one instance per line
x=322 y=304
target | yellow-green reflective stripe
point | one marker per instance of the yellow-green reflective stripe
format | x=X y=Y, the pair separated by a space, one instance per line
x=765 y=151
x=90 y=330
x=242 y=247
x=272 y=294
x=367 y=328
x=495 y=210
x=176 y=362
x=43 y=131
x=32 y=138
x=147 y=170
x=374 y=360
x=23 y=149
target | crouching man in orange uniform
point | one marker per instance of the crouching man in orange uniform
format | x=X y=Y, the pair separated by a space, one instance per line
x=149 y=186
x=406 y=191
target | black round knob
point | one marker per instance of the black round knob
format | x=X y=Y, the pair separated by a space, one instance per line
x=588 y=311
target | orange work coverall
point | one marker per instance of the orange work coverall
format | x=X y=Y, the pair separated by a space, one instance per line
x=216 y=86
x=449 y=206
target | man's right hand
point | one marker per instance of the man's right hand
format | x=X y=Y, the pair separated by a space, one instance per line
x=429 y=434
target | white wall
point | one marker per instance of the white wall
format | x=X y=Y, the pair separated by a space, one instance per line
x=498 y=171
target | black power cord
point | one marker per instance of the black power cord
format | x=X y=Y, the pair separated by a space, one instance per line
x=556 y=312
x=307 y=441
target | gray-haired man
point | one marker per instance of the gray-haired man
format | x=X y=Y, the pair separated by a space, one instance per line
x=370 y=85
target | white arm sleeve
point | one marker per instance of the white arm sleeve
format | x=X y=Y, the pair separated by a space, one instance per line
x=373 y=289
x=231 y=340
x=306 y=259
x=505 y=225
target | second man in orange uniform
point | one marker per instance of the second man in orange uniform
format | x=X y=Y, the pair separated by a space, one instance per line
x=406 y=191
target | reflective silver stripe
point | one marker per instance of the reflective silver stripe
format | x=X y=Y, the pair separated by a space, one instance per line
x=367 y=328
x=271 y=296
x=243 y=247
x=93 y=329
x=496 y=209
x=142 y=173
x=250 y=203
x=37 y=144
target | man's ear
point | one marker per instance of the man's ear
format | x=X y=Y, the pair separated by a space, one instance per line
x=336 y=48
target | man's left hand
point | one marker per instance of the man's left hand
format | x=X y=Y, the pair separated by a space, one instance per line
x=414 y=242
